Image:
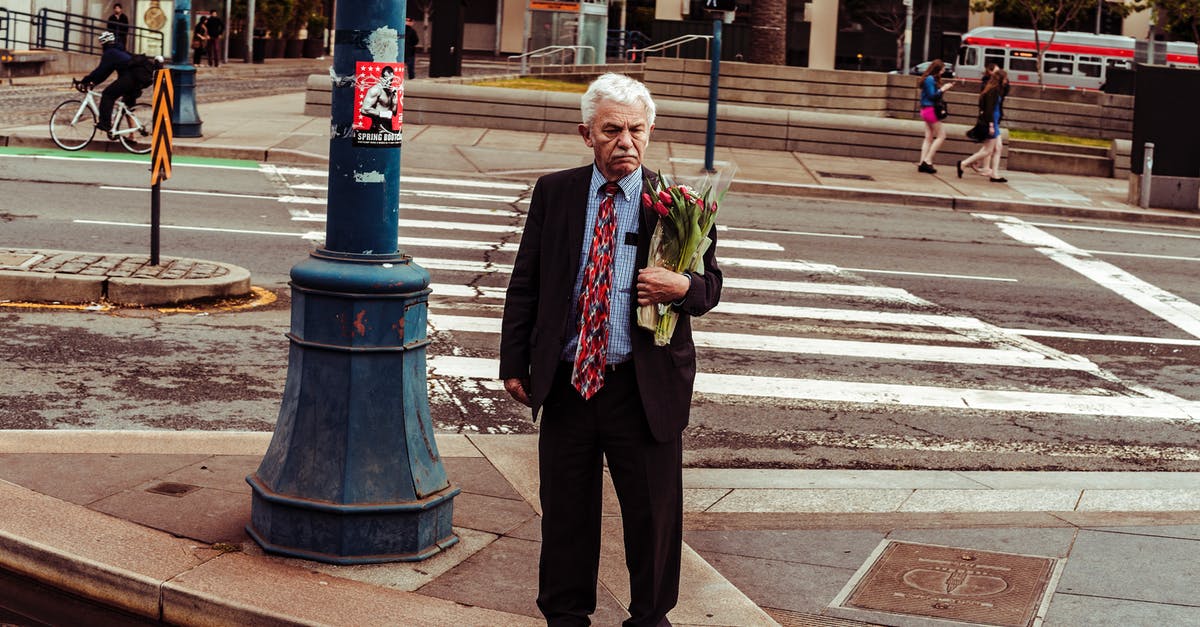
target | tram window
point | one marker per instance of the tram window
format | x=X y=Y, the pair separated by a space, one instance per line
x=968 y=56
x=1090 y=66
x=1023 y=62
x=1121 y=63
x=993 y=55
x=1058 y=63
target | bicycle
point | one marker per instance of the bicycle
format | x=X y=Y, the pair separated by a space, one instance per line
x=73 y=123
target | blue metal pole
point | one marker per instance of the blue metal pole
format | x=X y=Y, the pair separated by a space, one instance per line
x=353 y=474
x=710 y=136
x=185 y=119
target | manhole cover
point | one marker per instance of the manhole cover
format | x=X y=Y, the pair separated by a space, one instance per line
x=965 y=585
x=172 y=489
x=845 y=175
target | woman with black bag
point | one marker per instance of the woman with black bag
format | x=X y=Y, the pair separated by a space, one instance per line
x=987 y=128
x=933 y=111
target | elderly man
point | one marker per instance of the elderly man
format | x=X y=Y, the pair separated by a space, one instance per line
x=570 y=348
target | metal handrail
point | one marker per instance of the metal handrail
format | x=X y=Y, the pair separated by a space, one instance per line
x=543 y=53
x=58 y=30
x=676 y=44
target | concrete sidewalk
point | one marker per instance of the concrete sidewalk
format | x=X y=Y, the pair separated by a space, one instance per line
x=89 y=512
x=153 y=523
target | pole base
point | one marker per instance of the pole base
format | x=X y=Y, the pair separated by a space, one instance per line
x=351 y=534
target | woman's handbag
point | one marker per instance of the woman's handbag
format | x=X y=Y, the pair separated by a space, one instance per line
x=979 y=132
x=940 y=109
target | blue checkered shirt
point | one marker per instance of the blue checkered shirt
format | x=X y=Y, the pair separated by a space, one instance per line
x=624 y=268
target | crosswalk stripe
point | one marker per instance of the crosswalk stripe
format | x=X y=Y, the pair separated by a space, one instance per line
x=888 y=394
x=819 y=346
x=408 y=179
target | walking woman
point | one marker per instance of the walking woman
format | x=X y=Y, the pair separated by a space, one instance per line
x=989 y=115
x=199 y=40
x=999 y=147
x=932 y=89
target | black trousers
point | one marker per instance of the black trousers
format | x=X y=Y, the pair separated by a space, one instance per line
x=576 y=437
x=125 y=86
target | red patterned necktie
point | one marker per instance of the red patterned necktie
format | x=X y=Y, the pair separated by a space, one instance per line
x=588 y=374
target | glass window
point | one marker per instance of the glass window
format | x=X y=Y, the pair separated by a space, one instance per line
x=1090 y=66
x=1022 y=61
x=968 y=56
x=1121 y=63
x=1058 y=63
x=993 y=55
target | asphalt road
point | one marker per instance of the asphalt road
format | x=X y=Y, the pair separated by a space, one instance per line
x=850 y=334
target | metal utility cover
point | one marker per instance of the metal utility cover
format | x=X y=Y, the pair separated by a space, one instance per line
x=170 y=488
x=965 y=585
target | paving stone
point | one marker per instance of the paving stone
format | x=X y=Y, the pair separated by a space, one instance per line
x=478 y=476
x=222 y=472
x=84 y=478
x=1133 y=568
x=782 y=584
x=205 y=514
x=819 y=547
x=1045 y=542
x=1069 y=609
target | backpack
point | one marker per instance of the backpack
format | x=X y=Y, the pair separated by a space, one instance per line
x=143 y=68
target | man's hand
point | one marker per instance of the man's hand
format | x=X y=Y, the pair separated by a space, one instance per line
x=660 y=285
x=518 y=389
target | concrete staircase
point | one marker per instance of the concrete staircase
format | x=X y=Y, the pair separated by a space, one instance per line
x=1056 y=158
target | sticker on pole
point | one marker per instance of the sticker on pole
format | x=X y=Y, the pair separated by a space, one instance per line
x=378 y=103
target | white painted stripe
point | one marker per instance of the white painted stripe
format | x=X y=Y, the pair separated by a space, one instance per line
x=443 y=225
x=190 y=228
x=184 y=192
x=889 y=394
x=817 y=346
x=1107 y=229
x=1113 y=253
x=506 y=246
x=487 y=184
x=722 y=227
x=1096 y=337
x=968 y=277
x=848 y=315
x=466 y=291
x=305 y=215
x=1174 y=309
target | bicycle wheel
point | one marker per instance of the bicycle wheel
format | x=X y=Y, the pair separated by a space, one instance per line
x=72 y=125
x=133 y=128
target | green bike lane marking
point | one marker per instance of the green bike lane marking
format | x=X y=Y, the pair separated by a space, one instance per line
x=122 y=155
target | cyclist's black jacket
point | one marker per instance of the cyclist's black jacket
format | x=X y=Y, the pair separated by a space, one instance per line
x=114 y=58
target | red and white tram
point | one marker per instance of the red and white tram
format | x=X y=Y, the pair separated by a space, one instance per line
x=1077 y=60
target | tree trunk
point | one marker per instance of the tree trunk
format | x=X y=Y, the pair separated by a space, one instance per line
x=768 y=32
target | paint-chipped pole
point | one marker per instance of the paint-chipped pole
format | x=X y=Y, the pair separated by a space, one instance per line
x=352 y=474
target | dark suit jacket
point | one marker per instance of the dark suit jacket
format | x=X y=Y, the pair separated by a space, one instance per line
x=538 y=304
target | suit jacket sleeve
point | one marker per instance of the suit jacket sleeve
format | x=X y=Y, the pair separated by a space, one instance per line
x=521 y=300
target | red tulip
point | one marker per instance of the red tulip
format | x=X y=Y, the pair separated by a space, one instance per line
x=713 y=206
x=661 y=209
x=647 y=201
x=664 y=196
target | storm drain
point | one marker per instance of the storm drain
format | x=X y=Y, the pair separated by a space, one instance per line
x=964 y=585
x=845 y=175
x=172 y=489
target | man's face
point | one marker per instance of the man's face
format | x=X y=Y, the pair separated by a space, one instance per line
x=618 y=136
x=117 y=9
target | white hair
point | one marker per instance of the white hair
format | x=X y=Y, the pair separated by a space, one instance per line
x=617 y=88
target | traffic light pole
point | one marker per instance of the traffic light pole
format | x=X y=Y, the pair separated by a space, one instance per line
x=352 y=474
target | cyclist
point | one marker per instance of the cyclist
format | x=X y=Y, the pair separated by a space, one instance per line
x=114 y=58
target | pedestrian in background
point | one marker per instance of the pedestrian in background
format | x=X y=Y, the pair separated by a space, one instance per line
x=410 y=48
x=570 y=348
x=118 y=25
x=989 y=116
x=199 y=40
x=215 y=27
x=932 y=89
x=999 y=147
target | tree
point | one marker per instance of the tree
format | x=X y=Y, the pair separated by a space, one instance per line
x=768 y=32
x=886 y=15
x=1178 y=15
x=1048 y=15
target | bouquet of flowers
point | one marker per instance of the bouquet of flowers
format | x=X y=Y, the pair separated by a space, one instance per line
x=686 y=218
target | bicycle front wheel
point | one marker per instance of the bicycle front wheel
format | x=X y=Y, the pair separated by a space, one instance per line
x=133 y=128
x=72 y=125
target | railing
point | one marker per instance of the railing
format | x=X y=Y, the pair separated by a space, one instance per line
x=622 y=41
x=676 y=44
x=58 y=30
x=547 y=52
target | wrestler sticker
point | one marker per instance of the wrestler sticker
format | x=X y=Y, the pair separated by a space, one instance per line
x=378 y=103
